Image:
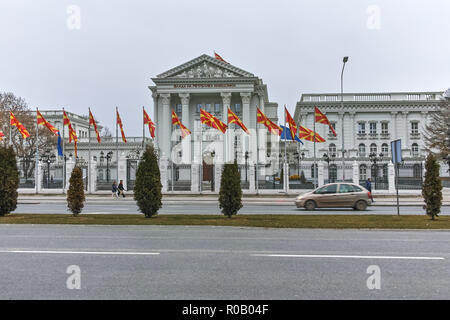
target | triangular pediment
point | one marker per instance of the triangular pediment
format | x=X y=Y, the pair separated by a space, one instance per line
x=205 y=67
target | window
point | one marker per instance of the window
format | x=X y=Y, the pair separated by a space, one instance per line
x=332 y=124
x=373 y=127
x=332 y=173
x=361 y=128
x=199 y=106
x=345 y=188
x=217 y=107
x=385 y=149
x=237 y=107
x=313 y=172
x=332 y=188
x=208 y=107
x=332 y=149
x=373 y=148
x=415 y=150
x=384 y=127
x=417 y=171
x=178 y=108
x=362 y=150
x=414 y=127
x=362 y=172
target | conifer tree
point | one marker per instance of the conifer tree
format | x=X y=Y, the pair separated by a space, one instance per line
x=432 y=187
x=147 y=189
x=230 y=195
x=9 y=180
x=75 y=194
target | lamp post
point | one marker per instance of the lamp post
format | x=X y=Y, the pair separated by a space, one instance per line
x=329 y=159
x=375 y=160
x=49 y=159
x=108 y=158
x=344 y=60
x=246 y=162
x=297 y=157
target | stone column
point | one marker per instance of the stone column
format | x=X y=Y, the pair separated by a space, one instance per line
x=156 y=120
x=391 y=177
x=320 y=179
x=40 y=178
x=122 y=163
x=227 y=137
x=262 y=134
x=394 y=125
x=93 y=178
x=286 y=177
x=218 y=167
x=195 y=177
x=164 y=171
x=353 y=132
x=406 y=144
x=166 y=126
x=425 y=170
x=355 y=172
x=246 y=119
x=251 y=177
x=70 y=164
x=186 y=142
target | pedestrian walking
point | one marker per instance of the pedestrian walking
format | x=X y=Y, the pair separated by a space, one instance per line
x=114 y=190
x=369 y=187
x=121 y=189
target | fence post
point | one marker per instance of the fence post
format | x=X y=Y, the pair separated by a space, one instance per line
x=217 y=176
x=251 y=177
x=40 y=178
x=320 y=180
x=122 y=163
x=355 y=167
x=93 y=178
x=163 y=168
x=70 y=164
x=391 y=177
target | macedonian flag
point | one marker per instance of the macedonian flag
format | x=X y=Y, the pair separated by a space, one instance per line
x=1 y=135
x=292 y=124
x=184 y=131
x=119 y=122
x=321 y=118
x=41 y=121
x=219 y=57
x=72 y=133
x=232 y=118
x=272 y=127
x=14 y=122
x=151 y=124
x=208 y=119
x=94 y=124
x=307 y=134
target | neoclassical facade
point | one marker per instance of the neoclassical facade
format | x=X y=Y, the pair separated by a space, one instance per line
x=213 y=85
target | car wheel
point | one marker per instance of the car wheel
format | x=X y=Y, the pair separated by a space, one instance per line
x=361 y=205
x=310 y=205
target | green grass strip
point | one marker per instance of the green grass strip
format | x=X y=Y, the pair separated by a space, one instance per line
x=267 y=221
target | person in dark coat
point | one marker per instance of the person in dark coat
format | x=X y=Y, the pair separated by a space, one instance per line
x=121 y=189
x=114 y=190
x=369 y=187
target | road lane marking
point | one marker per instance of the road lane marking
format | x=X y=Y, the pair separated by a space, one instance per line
x=80 y=252
x=344 y=256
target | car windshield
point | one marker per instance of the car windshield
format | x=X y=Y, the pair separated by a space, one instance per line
x=332 y=188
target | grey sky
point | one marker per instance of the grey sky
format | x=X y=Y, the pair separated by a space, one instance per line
x=294 y=46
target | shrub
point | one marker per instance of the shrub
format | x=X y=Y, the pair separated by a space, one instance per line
x=432 y=187
x=9 y=180
x=147 y=189
x=230 y=195
x=75 y=194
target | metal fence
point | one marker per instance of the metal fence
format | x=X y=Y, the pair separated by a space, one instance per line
x=297 y=178
x=410 y=176
x=179 y=177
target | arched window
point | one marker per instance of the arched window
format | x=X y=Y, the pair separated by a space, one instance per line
x=362 y=172
x=415 y=150
x=362 y=150
x=373 y=148
x=332 y=149
x=385 y=149
x=417 y=170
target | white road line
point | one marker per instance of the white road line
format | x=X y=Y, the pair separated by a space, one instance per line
x=344 y=256
x=80 y=252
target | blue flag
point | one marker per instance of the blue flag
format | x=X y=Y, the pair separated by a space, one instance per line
x=60 y=152
x=286 y=135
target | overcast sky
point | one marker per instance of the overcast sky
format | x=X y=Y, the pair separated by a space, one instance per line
x=294 y=46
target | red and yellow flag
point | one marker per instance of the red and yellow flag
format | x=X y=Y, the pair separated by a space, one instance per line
x=321 y=118
x=94 y=124
x=151 y=124
x=219 y=57
x=1 y=135
x=233 y=118
x=307 y=134
x=14 y=122
x=41 y=120
x=292 y=124
x=119 y=122
x=72 y=133
x=211 y=121
x=272 y=127
x=184 y=131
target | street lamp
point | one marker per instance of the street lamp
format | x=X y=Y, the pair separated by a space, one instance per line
x=329 y=159
x=49 y=159
x=246 y=161
x=375 y=160
x=342 y=124
x=108 y=158
x=297 y=157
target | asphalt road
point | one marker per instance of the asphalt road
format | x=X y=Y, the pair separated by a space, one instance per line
x=129 y=207
x=176 y=262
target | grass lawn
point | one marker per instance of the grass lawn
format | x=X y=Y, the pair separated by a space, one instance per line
x=268 y=221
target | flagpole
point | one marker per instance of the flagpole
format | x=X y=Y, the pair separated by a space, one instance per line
x=36 y=172
x=117 y=145
x=285 y=142
x=201 y=158
x=64 y=155
x=143 y=129
x=89 y=154
x=315 y=165
x=257 y=153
